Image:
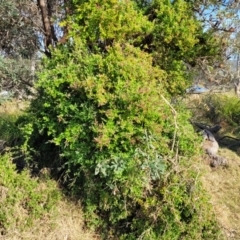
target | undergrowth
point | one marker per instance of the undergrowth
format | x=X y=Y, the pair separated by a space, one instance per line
x=23 y=199
x=9 y=132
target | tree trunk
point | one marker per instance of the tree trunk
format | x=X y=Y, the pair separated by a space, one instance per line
x=49 y=33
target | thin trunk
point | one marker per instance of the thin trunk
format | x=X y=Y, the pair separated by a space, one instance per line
x=49 y=33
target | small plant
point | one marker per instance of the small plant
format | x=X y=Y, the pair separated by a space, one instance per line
x=9 y=132
x=227 y=108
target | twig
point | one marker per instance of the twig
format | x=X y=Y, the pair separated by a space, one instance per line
x=236 y=139
x=175 y=120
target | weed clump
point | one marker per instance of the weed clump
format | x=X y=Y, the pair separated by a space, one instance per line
x=23 y=199
x=217 y=108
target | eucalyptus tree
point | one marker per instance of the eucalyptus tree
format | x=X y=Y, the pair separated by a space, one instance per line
x=25 y=38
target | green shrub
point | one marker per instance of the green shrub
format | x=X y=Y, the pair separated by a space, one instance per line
x=23 y=198
x=220 y=107
x=227 y=108
x=116 y=140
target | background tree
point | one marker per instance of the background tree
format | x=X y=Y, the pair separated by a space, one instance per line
x=220 y=19
x=27 y=30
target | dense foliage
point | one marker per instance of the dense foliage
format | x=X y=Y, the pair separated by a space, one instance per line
x=103 y=110
x=177 y=40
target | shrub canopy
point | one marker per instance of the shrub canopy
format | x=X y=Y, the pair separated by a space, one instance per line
x=102 y=109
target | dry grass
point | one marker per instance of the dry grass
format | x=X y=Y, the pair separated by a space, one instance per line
x=67 y=224
x=13 y=107
x=223 y=185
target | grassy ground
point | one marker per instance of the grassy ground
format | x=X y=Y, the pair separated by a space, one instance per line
x=222 y=184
